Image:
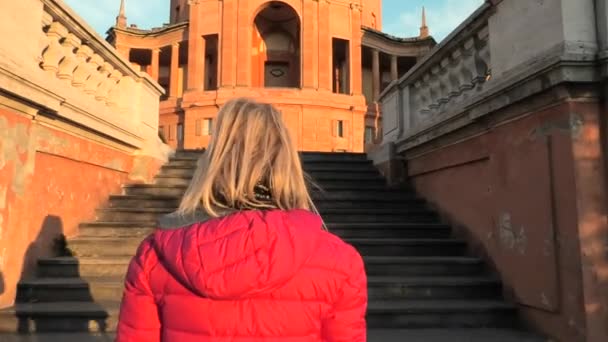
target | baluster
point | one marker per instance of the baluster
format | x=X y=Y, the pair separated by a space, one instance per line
x=114 y=92
x=43 y=39
x=83 y=71
x=454 y=77
x=434 y=86
x=105 y=83
x=425 y=91
x=92 y=83
x=54 y=52
x=467 y=67
x=443 y=84
x=482 y=58
x=70 y=61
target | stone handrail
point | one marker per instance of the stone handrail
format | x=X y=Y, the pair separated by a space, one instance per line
x=73 y=73
x=451 y=73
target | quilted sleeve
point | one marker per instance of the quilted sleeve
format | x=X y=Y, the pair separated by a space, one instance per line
x=346 y=321
x=139 y=319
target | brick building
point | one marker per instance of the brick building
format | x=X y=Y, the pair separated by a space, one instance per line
x=323 y=63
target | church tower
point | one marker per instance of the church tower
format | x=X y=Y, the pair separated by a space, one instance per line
x=322 y=63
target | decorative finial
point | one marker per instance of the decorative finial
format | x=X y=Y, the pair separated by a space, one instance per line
x=424 y=30
x=121 y=20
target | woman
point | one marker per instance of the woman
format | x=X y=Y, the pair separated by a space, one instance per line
x=256 y=264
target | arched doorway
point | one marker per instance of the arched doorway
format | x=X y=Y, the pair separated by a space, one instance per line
x=276 y=46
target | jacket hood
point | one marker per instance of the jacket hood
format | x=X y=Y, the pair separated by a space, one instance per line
x=239 y=255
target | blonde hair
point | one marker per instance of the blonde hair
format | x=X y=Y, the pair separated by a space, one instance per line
x=251 y=146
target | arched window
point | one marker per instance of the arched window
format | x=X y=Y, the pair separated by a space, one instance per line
x=276 y=46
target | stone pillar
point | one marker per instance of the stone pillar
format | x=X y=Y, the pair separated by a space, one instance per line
x=243 y=47
x=154 y=65
x=196 y=50
x=325 y=50
x=173 y=89
x=309 y=45
x=375 y=74
x=355 y=51
x=124 y=51
x=394 y=68
x=228 y=39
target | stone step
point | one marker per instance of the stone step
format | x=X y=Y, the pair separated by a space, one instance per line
x=131 y=214
x=194 y=154
x=408 y=247
x=315 y=173
x=366 y=204
x=363 y=195
x=384 y=195
x=441 y=314
x=124 y=201
x=346 y=168
x=60 y=317
x=373 y=335
x=359 y=175
x=423 y=266
x=103 y=246
x=108 y=246
x=172 y=202
x=375 y=215
x=452 y=335
x=393 y=230
x=153 y=190
x=313 y=157
x=70 y=267
x=411 y=314
x=97 y=289
x=343 y=229
x=117 y=229
x=375 y=266
x=444 y=287
x=176 y=171
x=186 y=162
x=377 y=183
x=379 y=287
x=414 y=216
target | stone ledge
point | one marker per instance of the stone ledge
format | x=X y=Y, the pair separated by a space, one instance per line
x=546 y=72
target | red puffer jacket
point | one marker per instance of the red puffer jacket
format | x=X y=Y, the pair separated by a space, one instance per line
x=250 y=276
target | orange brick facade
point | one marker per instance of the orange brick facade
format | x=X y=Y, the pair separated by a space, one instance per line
x=322 y=62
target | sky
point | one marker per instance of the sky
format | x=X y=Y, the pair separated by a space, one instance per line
x=400 y=17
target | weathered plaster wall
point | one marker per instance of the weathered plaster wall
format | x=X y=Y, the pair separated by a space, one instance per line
x=523 y=193
x=50 y=181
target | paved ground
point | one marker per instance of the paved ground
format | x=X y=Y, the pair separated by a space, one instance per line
x=431 y=335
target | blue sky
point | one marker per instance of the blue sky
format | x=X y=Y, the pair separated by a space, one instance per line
x=400 y=17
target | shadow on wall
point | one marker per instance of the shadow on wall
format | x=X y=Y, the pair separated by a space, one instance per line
x=51 y=242
x=1 y=282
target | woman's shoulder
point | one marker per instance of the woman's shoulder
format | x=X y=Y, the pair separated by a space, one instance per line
x=177 y=220
x=337 y=254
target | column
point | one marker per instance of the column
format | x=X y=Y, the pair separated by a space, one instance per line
x=375 y=74
x=196 y=50
x=355 y=51
x=228 y=39
x=174 y=81
x=154 y=65
x=394 y=68
x=325 y=50
x=309 y=45
x=244 y=45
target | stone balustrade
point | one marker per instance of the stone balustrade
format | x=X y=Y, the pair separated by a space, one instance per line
x=75 y=74
x=444 y=80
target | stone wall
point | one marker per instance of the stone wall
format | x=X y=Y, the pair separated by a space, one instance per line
x=502 y=128
x=76 y=122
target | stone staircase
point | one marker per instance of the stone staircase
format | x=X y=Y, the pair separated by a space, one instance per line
x=419 y=276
